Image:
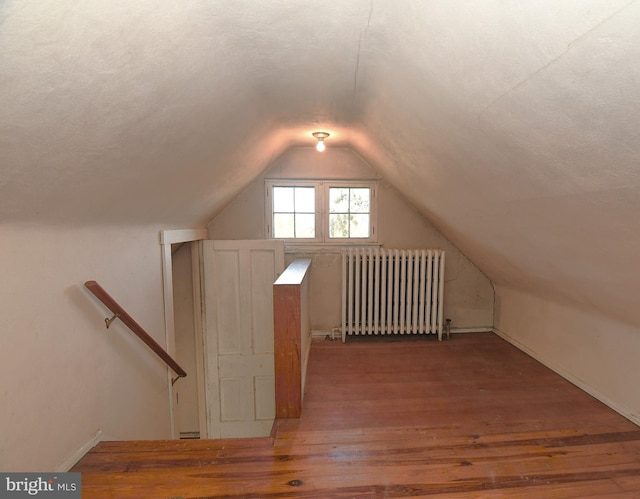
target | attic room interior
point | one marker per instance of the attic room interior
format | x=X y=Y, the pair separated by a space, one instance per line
x=134 y=133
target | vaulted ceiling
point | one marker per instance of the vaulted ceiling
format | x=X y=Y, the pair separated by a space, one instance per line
x=513 y=126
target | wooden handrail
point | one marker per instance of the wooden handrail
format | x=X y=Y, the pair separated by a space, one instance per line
x=137 y=329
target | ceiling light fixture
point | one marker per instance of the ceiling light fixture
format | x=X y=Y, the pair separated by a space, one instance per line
x=320 y=136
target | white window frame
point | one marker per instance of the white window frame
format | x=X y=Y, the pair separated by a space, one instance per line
x=322 y=210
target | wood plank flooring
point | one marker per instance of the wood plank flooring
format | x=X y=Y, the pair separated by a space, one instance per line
x=471 y=417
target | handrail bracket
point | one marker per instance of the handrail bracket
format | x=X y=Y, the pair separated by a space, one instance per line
x=108 y=321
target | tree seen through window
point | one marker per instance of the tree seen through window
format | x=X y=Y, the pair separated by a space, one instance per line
x=349 y=212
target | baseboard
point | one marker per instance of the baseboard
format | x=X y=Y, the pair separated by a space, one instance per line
x=78 y=454
x=336 y=334
x=620 y=409
x=482 y=329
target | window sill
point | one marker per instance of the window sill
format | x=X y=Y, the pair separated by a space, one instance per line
x=315 y=248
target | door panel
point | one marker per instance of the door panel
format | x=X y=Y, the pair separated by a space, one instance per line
x=238 y=284
x=231 y=407
x=264 y=397
x=229 y=305
x=262 y=303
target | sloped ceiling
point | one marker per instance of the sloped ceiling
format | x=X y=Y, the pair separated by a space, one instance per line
x=513 y=126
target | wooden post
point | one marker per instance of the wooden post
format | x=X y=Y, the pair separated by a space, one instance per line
x=291 y=338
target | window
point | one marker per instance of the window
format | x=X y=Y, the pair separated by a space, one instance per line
x=294 y=212
x=320 y=211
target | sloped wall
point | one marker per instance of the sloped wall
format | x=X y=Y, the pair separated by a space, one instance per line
x=597 y=353
x=64 y=376
x=468 y=292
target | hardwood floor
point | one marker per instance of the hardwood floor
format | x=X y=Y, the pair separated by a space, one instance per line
x=471 y=417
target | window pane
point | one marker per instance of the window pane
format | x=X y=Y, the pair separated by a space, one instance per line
x=283 y=199
x=359 y=200
x=339 y=225
x=359 y=226
x=306 y=225
x=305 y=200
x=283 y=225
x=338 y=200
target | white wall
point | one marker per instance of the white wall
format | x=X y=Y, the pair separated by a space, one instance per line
x=596 y=353
x=63 y=376
x=468 y=292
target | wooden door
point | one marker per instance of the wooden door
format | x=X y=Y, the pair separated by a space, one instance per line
x=238 y=335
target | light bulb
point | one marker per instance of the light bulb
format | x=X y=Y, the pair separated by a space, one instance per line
x=320 y=136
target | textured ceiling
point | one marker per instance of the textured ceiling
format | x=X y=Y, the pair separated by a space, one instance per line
x=513 y=126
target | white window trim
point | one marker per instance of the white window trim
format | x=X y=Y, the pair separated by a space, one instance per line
x=268 y=208
x=322 y=211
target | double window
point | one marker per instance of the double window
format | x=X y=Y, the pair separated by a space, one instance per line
x=320 y=211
